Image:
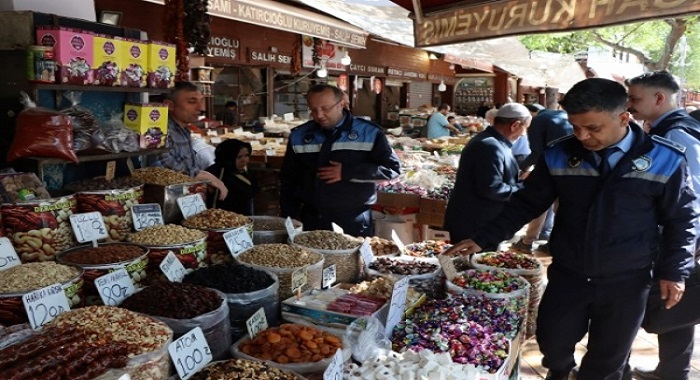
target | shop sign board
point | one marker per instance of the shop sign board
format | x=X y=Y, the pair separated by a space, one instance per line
x=405 y=74
x=515 y=17
x=438 y=77
x=271 y=58
x=355 y=68
x=223 y=47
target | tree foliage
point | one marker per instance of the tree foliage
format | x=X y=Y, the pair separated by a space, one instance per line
x=657 y=44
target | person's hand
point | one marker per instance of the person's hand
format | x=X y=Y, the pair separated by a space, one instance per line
x=223 y=191
x=671 y=292
x=524 y=175
x=464 y=247
x=332 y=173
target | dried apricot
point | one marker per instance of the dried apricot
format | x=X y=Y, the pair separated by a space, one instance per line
x=273 y=338
x=282 y=359
x=310 y=344
x=293 y=352
x=305 y=335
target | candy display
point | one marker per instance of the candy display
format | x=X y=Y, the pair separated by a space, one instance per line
x=427 y=248
x=383 y=247
x=490 y=281
x=401 y=267
x=507 y=260
x=409 y=365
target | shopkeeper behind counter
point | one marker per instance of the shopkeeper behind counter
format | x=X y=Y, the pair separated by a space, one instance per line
x=185 y=104
x=230 y=166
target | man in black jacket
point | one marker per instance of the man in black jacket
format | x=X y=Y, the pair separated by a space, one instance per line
x=616 y=186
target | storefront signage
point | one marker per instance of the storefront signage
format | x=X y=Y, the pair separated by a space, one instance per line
x=367 y=69
x=223 y=47
x=514 y=17
x=330 y=53
x=469 y=63
x=406 y=74
x=258 y=56
x=437 y=78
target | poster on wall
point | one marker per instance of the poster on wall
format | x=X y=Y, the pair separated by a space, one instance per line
x=327 y=51
x=377 y=85
x=343 y=81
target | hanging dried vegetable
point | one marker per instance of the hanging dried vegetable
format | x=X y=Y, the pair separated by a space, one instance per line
x=196 y=25
x=173 y=30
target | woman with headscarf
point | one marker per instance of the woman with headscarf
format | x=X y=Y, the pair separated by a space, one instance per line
x=230 y=166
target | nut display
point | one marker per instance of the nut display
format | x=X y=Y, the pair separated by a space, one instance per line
x=31 y=276
x=175 y=300
x=427 y=248
x=389 y=266
x=161 y=176
x=18 y=187
x=104 y=254
x=115 y=208
x=39 y=229
x=168 y=234
x=235 y=369
x=383 y=247
x=291 y=343
x=61 y=353
x=276 y=224
x=214 y=218
x=326 y=240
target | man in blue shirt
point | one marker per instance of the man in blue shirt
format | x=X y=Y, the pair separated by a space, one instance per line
x=653 y=98
x=438 y=126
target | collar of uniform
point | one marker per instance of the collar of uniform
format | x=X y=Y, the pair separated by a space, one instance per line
x=626 y=143
x=498 y=136
x=660 y=118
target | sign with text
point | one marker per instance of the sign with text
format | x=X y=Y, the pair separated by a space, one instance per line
x=289 y=225
x=238 y=240
x=329 y=276
x=223 y=47
x=88 y=226
x=114 y=287
x=8 y=255
x=111 y=168
x=334 y=371
x=172 y=267
x=397 y=240
x=366 y=252
x=397 y=305
x=299 y=278
x=256 y=323
x=191 y=205
x=190 y=353
x=146 y=215
x=337 y=229
x=448 y=266
x=45 y=304
x=469 y=22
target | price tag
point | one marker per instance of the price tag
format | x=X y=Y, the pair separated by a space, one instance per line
x=270 y=151
x=448 y=266
x=256 y=323
x=8 y=256
x=398 y=303
x=191 y=205
x=291 y=231
x=212 y=133
x=88 y=226
x=130 y=165
x=215 y=140
x=366 y=252
x=337 y=228
x=190 y=353
x=238 y=131
x=329 y=276
x=289 y=116
x=299 y=278
x=115 y=287
x=111 y=167
x=334 y=371
x=45 y=304
x=238 y=240
x=397 y=240
x=146 y=215
x=172 y=267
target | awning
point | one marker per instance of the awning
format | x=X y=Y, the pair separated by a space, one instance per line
x=271 y=14
x=441 y=22
x=542 y=69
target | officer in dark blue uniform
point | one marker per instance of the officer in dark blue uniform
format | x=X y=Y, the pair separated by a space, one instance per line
x=332 y=164
x=616 y=186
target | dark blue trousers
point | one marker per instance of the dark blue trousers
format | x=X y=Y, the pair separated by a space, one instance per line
x=356 y=222
x=609 y=310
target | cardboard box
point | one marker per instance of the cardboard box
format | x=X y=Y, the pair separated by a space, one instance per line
x=432 y=206
x=108 y=60
x=434 y=220
x=135 y=62
x=324 y=317
x=161 y=65
x=73 y=53
x=398 y=200
x=150 y=121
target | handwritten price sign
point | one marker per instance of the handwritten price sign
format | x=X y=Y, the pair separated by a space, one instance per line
x=146 y=215
x=329 y=276
x=114 y=287
x=8 y=256
x=299 y=278
x=191 y=205
x=190 y=353
x=88 y=226
x=238 y=240
x=256 y=323
x=172 y=268
x=334 y=371
x=291 y=231
x=45 y=304
x=398 y=303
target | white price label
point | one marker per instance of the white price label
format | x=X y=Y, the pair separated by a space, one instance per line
x=448 y=266
x=212 y=133
x=88 y=226
x=334 y=371
x=256 y=323
x=329 y=276
x=8 y=256
x=291 y=231
x=270 y=151
x=45 y=304
x=190 y=353
x=172 y=267
x=115 y=287
x=111 y=168
x=398 y=303
x=191 y=205
x=397 y=240
x=215 y=140
x=146 y=215
x=337 y=228
x=366 y=252
x=238 y=240
x=299 y=278
x=238 y=131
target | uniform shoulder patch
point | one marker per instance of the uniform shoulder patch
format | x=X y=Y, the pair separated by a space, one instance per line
x=671 y=144
x=560 y=139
